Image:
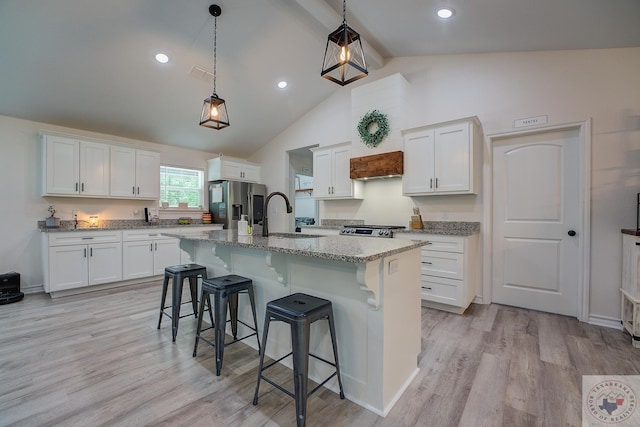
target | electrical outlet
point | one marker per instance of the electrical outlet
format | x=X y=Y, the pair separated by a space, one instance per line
x=393 y=266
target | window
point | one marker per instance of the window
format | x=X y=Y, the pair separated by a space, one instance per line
x=181 y=185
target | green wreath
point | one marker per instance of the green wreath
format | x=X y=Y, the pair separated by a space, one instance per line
x=372 y=139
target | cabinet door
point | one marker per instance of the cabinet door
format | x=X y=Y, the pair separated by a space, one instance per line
x=418 y=175
x=166 y=253
x=452 y=158
x=322 y=170
x=251 y=173
x=67 y=267
x=342 y=184
x=123 y=172
x=231 y=170
x=105 y=263
x=137 y=259
x=94 y=169
x=147 y=174
x=62 y=165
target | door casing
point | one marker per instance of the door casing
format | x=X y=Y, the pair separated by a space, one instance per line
x=584 y=229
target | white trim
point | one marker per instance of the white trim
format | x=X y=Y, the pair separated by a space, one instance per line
x=607 y=322
x=584 y=267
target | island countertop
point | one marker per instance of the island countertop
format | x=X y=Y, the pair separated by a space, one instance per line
x=339 y=248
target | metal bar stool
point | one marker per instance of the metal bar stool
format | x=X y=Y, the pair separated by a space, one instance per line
x=225 y=290
x=177 y=274
x=299 y=311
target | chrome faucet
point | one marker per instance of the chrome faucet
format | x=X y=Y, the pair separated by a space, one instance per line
x=265 y=220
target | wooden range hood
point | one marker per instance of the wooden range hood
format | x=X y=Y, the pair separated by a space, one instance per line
x=377 y=165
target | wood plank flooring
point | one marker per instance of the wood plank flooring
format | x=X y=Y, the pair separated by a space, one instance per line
x=97 y=359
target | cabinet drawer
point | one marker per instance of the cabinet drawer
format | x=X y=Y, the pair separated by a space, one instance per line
x=443 y=264
x=445 y=291
x=75 y=238
x=156 y=233
x=444 y=244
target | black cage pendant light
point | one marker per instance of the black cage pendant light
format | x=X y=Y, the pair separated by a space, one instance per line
x=214 y=110
x=344 y=58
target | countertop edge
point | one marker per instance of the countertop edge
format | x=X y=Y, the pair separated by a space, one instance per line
x=312 y=254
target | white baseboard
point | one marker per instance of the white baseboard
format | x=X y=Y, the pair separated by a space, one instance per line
x=607 y=322
x=33 y=289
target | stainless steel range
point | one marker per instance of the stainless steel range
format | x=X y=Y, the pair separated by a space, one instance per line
x=384 y=231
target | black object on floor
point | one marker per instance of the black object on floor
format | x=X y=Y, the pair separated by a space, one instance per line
x=10 y=288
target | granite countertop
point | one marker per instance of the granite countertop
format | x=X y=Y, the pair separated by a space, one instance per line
x=448 y=228
x=338 y=248
x=120 y=224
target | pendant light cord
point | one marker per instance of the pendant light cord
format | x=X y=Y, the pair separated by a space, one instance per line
x=344 y=12
x=215 y=32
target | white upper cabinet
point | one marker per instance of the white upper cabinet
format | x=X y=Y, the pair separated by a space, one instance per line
x=443 y=159
x=331 y=174
x=135 y=173
x=236 y=170
x=75 y=168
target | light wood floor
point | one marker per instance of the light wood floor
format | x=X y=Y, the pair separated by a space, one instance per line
x=97 y=359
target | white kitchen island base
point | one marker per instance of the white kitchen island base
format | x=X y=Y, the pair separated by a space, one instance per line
x=376 y=307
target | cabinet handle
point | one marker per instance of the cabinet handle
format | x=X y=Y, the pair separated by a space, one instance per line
x=637 y=243
x=82 y=188
x=76 y=186
x=156 y=247
x=138 y=190
x=91 y=252
x=85 y=252
x=436 y=182
x=431 y=183
x=133 y=190
x=87 y=238
x=429 y=243
x=427 y=262
x=426 y=287
x=151 y=247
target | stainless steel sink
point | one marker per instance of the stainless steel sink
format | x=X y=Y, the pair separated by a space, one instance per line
x=295 y=235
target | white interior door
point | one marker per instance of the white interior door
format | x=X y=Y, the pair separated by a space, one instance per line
x=536 y=219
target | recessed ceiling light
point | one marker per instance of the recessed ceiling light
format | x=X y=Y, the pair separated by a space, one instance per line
x=445 y=12
x=282 y=84
x=162 y=58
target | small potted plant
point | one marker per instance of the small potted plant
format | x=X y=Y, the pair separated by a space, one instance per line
x=52 y=221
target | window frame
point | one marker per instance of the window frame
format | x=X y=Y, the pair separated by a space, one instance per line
x=203 y=189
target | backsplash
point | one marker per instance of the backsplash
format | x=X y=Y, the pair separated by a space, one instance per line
x=121 y=224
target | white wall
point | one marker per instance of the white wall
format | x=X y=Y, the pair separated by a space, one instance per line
x=21 y=205
x=568 y=86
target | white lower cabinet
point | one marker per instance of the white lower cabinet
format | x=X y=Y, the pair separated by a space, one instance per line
x=147 y=253
x=75 y=259
x=450 y=270
x=80 y=259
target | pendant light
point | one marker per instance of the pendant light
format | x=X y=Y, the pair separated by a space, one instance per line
x=344 y=58
x=214 y=110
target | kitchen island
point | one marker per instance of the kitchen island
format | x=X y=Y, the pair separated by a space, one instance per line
x=374 y=285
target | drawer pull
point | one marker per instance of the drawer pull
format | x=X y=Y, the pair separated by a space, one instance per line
x=87 y=238
x=427 y=262
x=426 y=287
x=637 y=243
x=429 y=243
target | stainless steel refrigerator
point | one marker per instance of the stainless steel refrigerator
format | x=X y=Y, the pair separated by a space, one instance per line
x=228 y=200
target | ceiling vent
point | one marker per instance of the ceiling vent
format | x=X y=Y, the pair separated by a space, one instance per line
x=385 y=165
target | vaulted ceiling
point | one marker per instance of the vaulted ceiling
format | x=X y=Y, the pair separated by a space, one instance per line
x=90 y=65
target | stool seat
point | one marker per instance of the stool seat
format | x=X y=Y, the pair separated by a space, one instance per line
x=177 y=274
x=225 y=290
x=299 y=311
x=299 y=305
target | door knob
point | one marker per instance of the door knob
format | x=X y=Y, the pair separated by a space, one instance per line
x=571 y=233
